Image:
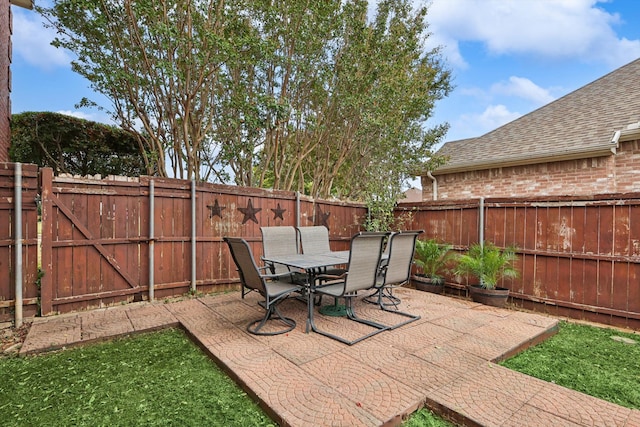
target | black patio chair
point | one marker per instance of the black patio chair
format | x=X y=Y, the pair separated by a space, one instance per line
x=273 y=287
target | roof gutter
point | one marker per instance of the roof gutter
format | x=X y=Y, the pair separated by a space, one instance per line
x=630 y=133
x=549 y=157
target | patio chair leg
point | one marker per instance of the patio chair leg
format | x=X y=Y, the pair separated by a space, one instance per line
x=379 y=297
x=273 y=310
x=351 y=314
x=411 y=317
x=394 y=301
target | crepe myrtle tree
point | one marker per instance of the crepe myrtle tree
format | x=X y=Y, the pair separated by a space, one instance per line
x=160 y=64
x=295 y=95
x=361 y=123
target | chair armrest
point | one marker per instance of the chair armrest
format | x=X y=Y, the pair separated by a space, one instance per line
x=323 y=280
x=268 y=264
x=275 y=275
x=331 y=276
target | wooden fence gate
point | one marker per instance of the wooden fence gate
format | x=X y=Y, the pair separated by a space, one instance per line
x=111 y=241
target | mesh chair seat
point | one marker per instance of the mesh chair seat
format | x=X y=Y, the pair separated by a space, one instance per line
x=315 y=240
x=273 y=287
x=279 y=241
x=361 y=273
x=395 y=272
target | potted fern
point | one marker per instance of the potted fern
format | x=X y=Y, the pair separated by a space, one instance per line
x=489 y=265
x=431 y=259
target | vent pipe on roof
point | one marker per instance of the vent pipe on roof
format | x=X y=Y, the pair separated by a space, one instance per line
x=434 y=185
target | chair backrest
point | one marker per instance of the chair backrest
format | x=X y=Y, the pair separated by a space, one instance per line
x=278 y=241
x=314 y=239
x=247 y=267
x=364 y=261
x=401 y=248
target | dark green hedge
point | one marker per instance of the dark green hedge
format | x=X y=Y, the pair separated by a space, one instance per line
x=72 y=145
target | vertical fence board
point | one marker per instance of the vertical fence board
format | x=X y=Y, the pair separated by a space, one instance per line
x=495 y=222
x=605 y=284
x=633 y=296
x=621 y=224
x=590 y=282
x=578 y=223
x=590 y=241
x=634 y=230
x=605 y=226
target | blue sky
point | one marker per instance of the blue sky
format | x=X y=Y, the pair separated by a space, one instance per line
x=508 y=58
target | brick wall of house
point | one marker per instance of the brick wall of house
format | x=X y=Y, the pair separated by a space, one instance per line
x=5 y=78
x=618 y=173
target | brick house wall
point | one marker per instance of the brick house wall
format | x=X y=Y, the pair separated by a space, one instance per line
x=618 y=173
x=5 y=79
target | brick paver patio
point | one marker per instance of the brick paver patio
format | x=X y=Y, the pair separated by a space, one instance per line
x=442 y=361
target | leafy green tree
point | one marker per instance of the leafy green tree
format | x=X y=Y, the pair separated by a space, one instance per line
x=295 y=95
x=348 y=98
x=159 y=63
x=72 y=145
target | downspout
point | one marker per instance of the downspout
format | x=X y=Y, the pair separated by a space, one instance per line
x=297 y=219
x=297 y=209
x=434 y=185
x=193 y=236
x=481 y=228
x=481 y=222
x=18 y=243
x=151 y=238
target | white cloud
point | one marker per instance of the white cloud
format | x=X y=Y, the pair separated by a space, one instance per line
x=494 y=116
x=523 y=88
x=449 y=49
x=545 y=28
x=32 y=42
x=76 y=114
x=100 y=118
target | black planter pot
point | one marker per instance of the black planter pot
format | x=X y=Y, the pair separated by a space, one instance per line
x=494 y=297
x=427 y=284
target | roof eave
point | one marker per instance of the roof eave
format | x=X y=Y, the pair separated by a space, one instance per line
x=27 y=4
x=550 y=157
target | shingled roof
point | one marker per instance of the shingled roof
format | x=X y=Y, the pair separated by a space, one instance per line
x=581 y=124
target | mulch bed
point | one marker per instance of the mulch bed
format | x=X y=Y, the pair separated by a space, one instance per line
x=11 y=338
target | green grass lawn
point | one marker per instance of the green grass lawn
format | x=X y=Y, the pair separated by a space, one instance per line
x=601 y=362
x=156 y=379
x=162 y=378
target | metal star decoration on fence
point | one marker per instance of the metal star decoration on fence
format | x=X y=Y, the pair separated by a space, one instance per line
x=215 y=209
x=250 y=212
x=321 y=218
x=278 y=212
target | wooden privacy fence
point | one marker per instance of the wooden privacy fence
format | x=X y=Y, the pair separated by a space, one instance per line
x=113 y=241
x=579 y=256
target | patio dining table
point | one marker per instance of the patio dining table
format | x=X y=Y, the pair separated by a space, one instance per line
x=312 y=264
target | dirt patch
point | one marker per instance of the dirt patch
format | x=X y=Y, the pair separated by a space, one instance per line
x=11 y=338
